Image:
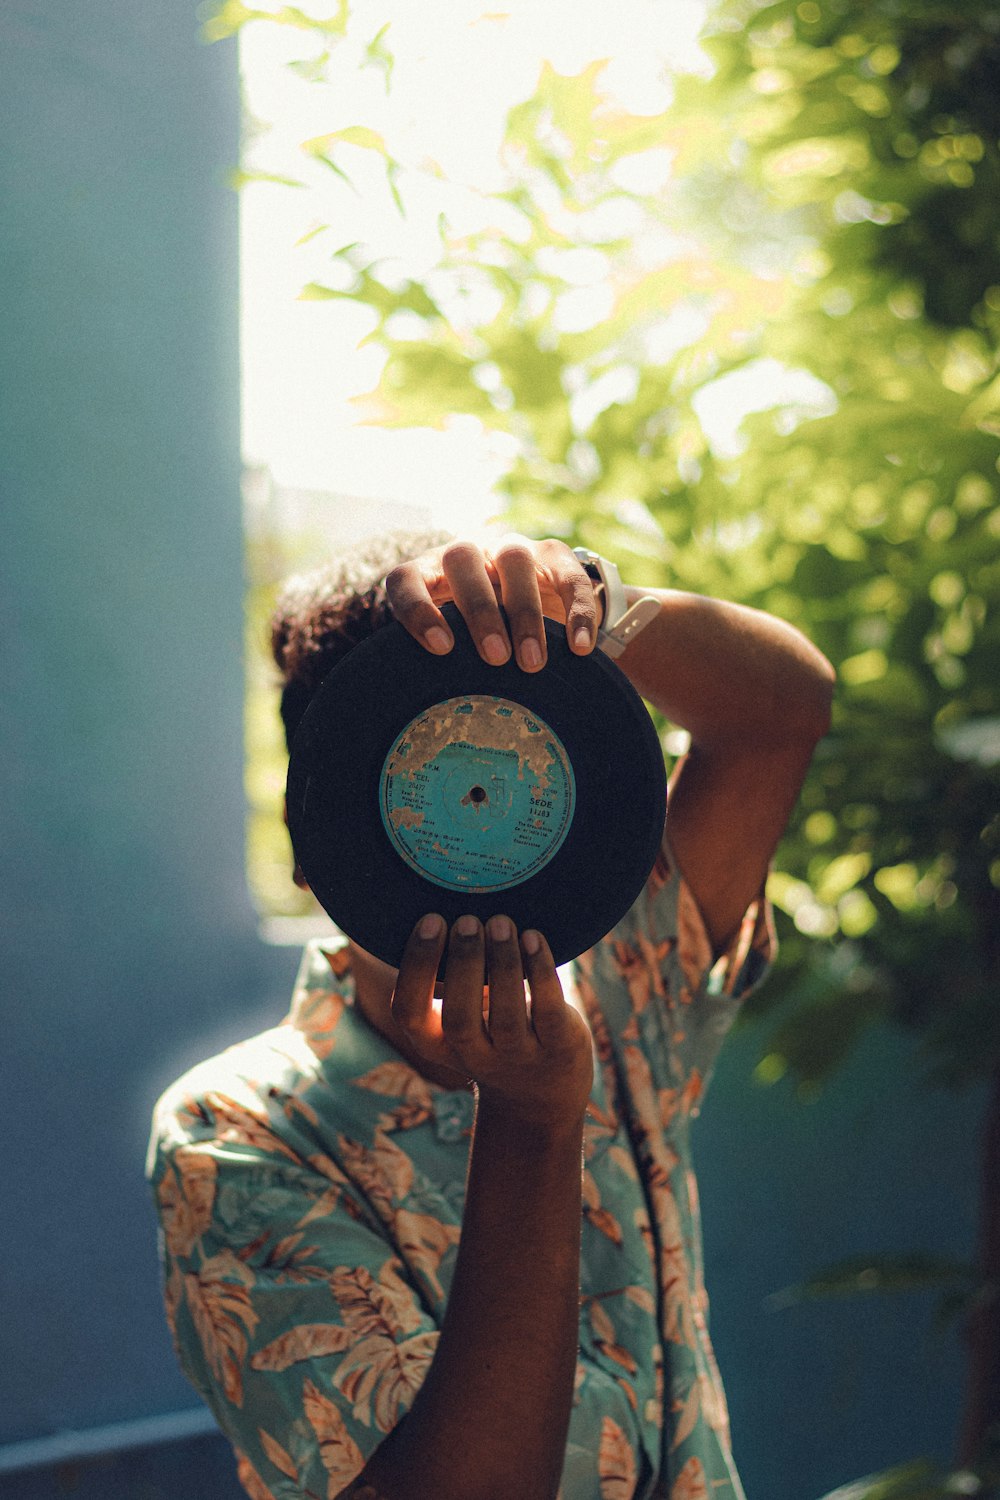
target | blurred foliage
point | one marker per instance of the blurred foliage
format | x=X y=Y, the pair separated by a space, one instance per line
x=832 y=208
x=922 y=1481
x=271 y=557
x=863 y=1275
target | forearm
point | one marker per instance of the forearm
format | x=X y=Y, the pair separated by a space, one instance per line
x=491 y=1418
x=722 y=670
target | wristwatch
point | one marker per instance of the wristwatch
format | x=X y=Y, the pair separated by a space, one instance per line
x=619 y=624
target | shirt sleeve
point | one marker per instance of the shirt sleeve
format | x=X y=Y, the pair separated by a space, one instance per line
x=292 y=1316
x=660 y=991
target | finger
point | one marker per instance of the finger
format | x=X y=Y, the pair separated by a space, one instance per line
x=462 y=1000
x=576 y=589
x=410 y=600
x=548 y=1006
x=412 y=997
x=515 y=564
x=464 y=565
x=508 y=1021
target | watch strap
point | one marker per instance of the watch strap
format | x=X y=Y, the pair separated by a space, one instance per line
x=620 y=624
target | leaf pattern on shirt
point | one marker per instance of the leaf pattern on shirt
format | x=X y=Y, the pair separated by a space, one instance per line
x=382 y=1171
x=680 y=1101
x=289 y=1261
x=238 y=1125
x=219 y=1301
x=423 y=1242
x=341 y=1457
x=713 y=1402
x=304 y=1341
x=693 y=947
x=674 y=1272
x=594 y=1213
x=615 y=1463
x=386 y=1306
x=399 y=1080
x=173 y=1291
x=686 y=1415
x=606 y=1338
x=316 y=1013
x=186 y=1197
x=690 y=1482
x=282 y=1460
x=250 y=1479
x=390 y=1373
x=642 y=1297
x=325 y=1205
x=294 y=1104
x=631 y=967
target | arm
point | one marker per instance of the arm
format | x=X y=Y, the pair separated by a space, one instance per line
x=491 y=1417
x=755 y=698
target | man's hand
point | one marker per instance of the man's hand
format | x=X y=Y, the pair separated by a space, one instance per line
x=506 y=1358
x=534 y=1064
x=528 y=579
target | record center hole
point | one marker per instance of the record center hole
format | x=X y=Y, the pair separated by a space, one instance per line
x=477 y=794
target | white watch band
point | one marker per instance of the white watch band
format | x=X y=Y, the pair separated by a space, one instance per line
x=610 y=588
x=620 y=624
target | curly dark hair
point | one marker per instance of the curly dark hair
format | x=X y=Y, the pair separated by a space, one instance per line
x=322 y=615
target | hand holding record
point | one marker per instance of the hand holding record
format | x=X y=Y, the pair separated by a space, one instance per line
x=527 y=579
x=537 y=1061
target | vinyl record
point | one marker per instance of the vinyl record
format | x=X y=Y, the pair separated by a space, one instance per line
x=422 y=783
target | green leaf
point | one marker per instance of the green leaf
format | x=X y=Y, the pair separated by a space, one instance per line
x=239 y=177
x=350 y=135
x=229 y=17
x=863 y=1275
x=920 y=1480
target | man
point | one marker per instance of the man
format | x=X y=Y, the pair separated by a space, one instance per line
x=385 y=1270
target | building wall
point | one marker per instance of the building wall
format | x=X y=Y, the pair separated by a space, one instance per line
x=129 y=942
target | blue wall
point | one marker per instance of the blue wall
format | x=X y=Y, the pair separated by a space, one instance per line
x=128 y=938
x=824 y=1392
x=129 y=943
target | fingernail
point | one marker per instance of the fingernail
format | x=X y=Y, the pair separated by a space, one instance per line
x=439 y=640
x=430 y=926
x=581 y=639
x=499 y=929
x=531 y=654
x=495 y=650
x=532 y=942
x=466 y=926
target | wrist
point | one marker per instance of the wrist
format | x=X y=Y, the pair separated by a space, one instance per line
x=534 y=1128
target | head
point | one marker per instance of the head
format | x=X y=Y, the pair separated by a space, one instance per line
x=321 y=616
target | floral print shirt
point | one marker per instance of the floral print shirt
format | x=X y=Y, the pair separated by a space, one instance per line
x=310 y=1186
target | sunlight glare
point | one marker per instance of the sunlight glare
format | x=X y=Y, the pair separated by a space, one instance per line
x=459 y=68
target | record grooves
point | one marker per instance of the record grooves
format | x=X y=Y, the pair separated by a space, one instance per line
x=424 y=783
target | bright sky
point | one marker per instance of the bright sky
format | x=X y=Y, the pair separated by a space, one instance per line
x=459 y=68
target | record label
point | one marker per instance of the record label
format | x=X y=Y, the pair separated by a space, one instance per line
x=477 y=793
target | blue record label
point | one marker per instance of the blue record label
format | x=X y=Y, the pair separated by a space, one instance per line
x=477 y=794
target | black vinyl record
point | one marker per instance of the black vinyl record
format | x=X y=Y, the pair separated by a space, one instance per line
x=422 y=783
